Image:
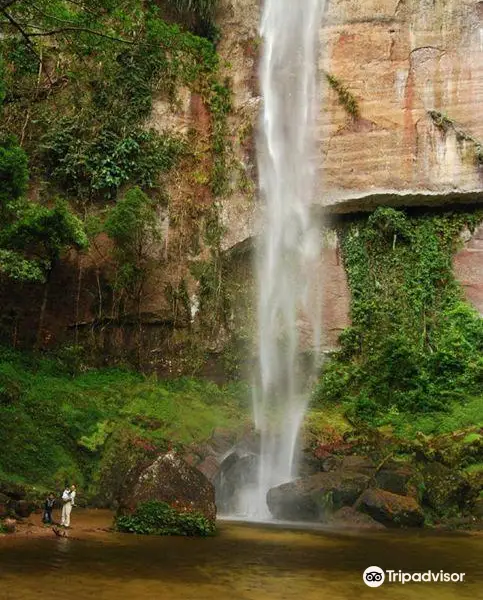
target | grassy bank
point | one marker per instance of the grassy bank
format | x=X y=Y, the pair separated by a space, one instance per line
x=58 y=424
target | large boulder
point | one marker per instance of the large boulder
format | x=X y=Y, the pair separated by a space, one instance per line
x=391 y=509
x=172 y=480
x=315 y=498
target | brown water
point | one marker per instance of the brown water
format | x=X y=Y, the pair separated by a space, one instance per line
x=244 y=562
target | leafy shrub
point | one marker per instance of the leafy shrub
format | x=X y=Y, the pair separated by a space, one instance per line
x=13 y=174
x=158 y=518
x=101 y=164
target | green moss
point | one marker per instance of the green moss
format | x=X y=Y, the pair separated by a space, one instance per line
x=56 y=426
x=474 y=469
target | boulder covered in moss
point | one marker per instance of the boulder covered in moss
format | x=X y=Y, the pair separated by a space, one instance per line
x=170 y=479
x=392 y=510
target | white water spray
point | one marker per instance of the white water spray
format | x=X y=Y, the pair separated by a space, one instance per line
x=290 y=244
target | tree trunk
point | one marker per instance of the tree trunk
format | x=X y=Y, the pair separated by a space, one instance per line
x=43 y=308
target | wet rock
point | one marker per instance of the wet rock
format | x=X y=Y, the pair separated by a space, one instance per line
x=315 y=498
x=237 y=473
x=349 y=517
x=222 y=441
x=170 y=479
x=391 y=509
x=209 y=467
x=331 y=463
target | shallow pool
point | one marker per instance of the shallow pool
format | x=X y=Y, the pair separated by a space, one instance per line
x=244 y=562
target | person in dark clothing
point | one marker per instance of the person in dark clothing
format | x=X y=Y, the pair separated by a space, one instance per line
x=48 y=507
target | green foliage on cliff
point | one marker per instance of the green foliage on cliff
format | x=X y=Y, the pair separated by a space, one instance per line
x=14 y=175
x=58 y=423
x=32 y=236
x=415 y=345
x=158 y=518
x=80 y=80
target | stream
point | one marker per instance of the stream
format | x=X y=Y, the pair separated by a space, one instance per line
x=243 y=562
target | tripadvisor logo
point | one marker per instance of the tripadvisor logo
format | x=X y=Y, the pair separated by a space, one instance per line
x=375 y=576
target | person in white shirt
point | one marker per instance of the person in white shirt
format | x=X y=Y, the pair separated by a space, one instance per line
x=68 y=498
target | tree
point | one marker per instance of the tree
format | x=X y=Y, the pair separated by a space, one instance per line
x=32 y=236
x=133 y=227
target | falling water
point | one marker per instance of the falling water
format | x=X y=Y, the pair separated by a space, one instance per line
x=290 y=245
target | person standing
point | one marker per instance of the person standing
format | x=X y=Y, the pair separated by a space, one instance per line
x=48 y=507
x=68 y=498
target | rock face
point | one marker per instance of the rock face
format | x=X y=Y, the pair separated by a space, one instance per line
x=170 y=479
x=401 y=59
x=391 y=509
x=406 y=62
x=468 y=268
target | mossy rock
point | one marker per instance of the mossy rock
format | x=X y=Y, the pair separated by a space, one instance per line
x=445 y=489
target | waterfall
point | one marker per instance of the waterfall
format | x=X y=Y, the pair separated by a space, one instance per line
x=289 y=249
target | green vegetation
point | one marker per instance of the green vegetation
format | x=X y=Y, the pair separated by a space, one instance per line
x=32 y=236
x=412 y=357
x=84 y=129
x=79 y=81
x=158 y=518
x=61 y=422
x=346 y=99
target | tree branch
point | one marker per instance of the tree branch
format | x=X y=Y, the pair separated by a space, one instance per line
x=25 y=35
x=81 y=30
x=6 y=3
